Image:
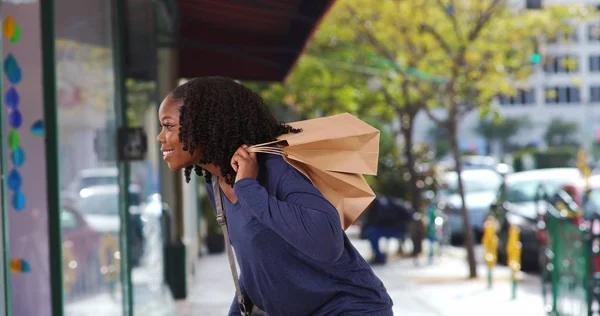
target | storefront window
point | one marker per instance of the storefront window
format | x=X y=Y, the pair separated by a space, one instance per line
x=150 y=294
x=86 y=125
x=23 y=148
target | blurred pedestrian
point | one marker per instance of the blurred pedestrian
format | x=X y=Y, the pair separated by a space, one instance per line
x=294 y=256
x=387 y=217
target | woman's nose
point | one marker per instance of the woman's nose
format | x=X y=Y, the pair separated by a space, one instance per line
x=160 y=138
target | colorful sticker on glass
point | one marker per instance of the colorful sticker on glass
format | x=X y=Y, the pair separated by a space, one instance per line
x=11 y=30
x=19 y=265
x=38 y=128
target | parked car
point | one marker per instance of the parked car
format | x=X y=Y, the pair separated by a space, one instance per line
x=518 y=204
x=93 y=177
x=477 y=162
x=480 y=186
x=80 y=251
x=99 y=206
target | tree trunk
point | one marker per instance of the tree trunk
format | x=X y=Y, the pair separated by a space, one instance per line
x=415 y=192
x=467 y=230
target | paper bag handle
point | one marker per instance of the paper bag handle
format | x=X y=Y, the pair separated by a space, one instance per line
x=267 y=150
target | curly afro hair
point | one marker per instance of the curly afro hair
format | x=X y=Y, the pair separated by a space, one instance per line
x=217 y=116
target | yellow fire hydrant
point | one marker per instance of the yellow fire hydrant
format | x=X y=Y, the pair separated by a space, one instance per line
x=490 y=243
x=513 y=251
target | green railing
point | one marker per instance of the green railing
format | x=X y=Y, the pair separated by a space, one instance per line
x=569 y=265
x=594 y=284
x=566 y=258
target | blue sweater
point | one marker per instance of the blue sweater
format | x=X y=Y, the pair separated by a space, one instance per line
x=293 y=254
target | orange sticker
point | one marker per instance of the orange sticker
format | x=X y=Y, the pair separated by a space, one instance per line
x=16 y=265
x=8 y=28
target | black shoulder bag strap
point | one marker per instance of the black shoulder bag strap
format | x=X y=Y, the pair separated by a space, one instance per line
x=221 y=219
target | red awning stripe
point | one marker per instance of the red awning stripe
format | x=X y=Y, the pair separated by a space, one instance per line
x=245 y=39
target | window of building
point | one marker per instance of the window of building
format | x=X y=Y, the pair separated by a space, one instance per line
x=534 y=4
x=570 y=36
x=563 y=95
x=521 y=97
x=561 y=64
x=595 y=94
x=594 y=32
x=595 y=63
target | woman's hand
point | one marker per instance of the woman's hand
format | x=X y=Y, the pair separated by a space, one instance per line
x=244 y=163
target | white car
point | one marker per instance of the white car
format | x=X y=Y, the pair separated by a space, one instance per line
x=93 y=177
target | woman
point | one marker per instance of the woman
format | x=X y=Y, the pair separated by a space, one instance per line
x=293 y=255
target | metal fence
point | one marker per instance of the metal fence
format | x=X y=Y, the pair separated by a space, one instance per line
x=570 y=278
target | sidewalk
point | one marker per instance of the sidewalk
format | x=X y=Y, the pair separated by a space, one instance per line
x=439 y=289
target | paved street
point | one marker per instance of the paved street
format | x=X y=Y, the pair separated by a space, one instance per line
x=437 y=289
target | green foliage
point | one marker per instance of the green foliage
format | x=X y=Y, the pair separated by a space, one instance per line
x=502 y=130
x=390 y=169
x=561 y=133
x=141 y=97
x=553 y=157
x=390 y=59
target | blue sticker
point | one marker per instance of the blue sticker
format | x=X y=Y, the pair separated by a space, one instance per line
x=18 y=201
x=15 y=119
x=18 y=157
x=14 y=180
x=12 y=69
x=12 y=98
x=37 y=128
x=25 y=266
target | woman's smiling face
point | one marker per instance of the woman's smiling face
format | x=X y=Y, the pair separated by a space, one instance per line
x=171 y=146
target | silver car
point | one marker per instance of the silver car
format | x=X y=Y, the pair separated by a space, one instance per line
x=481 y=186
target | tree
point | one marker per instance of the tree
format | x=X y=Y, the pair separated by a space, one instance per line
x=490 y=49
x=457 y=55
x=502 y=130
x=391 y=59
x=346 y=69
x=389 y=180
x=561 y=133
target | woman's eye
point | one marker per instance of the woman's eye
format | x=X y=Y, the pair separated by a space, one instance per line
x=167 y=126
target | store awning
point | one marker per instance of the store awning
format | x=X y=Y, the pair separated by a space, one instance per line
x=245 y=39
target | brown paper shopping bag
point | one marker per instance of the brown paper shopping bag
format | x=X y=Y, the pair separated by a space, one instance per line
x=333 y=152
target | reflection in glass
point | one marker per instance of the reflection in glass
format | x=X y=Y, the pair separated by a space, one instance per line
x=150 y=294
x=86 y=117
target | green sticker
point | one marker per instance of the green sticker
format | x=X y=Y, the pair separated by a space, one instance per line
x=17 y=36
x=13 y=139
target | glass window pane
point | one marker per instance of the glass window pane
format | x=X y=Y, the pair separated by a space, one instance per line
x=574 y=95
x=530 y=97
x=594 y=63
x=551 y=95
x=594 y=32
x=574 y=36
x=595 y=94
x=563 y=95
x=86 y=115
x=149 y=290
x=23 y=146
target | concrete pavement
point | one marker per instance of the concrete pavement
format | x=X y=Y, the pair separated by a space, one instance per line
x=438 y=289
